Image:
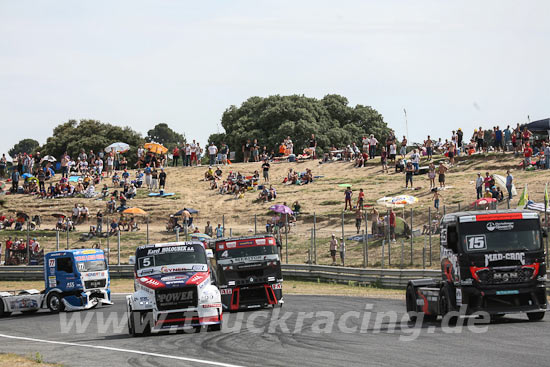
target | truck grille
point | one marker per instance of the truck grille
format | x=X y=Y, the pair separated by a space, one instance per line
x=515 y=276
x=178 y=298
x=98 y=283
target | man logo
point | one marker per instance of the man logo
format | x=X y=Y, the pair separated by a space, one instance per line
x=491 y=226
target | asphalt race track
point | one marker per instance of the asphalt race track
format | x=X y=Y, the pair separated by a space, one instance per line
x=99 y=338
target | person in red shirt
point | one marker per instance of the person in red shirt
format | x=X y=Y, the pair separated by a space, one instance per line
x=392 y=225
x=360 y=199
x=176 y=156
x=527 y=153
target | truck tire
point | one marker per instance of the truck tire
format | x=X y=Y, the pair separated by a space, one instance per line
x=535 y=316
x=410 y=299
x=215 y=327
x=55 y=302
x=3 y=313
x=139 y=323
x=446 y=304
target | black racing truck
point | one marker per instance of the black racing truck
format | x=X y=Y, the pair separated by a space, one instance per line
x=492 y=261
x=248 y=272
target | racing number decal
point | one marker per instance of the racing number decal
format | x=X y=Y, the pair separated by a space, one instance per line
x=51 y=263
x=476 y=242
x=145 y=262
x=81 y=267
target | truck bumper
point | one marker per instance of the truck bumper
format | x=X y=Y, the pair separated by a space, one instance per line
x=252 y=296
x=506 y=301
x=187 y=318
x=87 y=300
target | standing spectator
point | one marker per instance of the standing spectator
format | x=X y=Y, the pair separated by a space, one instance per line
x=3 y=165
x=415 y=159
x=208 y=229
x=361 y=199
x=343 y=251
x=437 y=196
x=65 y=165
x=479 y=134
x=212 y=152
x=497 y=135
x=255 y=150
x=41 y=176
x=99 y=221
x=546 y=150
x=187 y=161
x=431 y=175
x=527 y=153
x=193 y=149
x=525 y=136
x=313 y=146
x=154 y=179
x=479 y=186
x=246 y=151
x=393 y=151
x=507 y=137
x=384 y=160
x=148 y=180
x=265 y=168
x=392 y=221
x=509 y=184
x=403 y=149
x=442 y=169
x=140 y=156
x=175 y=156
x=333 y=247
x=110 y=164
x=372 y=146
x=347 y=198
x=199 y=155
x=224 y=152
x=358 y=218
x=428 y=143
x=460 y=139
x=219 y=231
x=409 y=170
x=162 y=179
x=14 y=181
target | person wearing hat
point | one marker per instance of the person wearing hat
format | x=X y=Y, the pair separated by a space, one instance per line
x=162 y=179
x=333 y=247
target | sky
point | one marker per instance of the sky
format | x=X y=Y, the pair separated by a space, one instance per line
x=136 y=63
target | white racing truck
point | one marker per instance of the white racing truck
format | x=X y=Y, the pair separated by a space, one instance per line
x=173 y=290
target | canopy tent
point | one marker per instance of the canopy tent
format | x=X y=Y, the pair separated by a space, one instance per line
x=539 y=126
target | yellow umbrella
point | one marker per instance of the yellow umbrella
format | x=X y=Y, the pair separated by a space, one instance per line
x=135 y=211
x=156 y=148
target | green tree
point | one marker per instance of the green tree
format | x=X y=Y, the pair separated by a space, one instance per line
x=272 y=119
x=164 y=135
x=72 y=136
x=24 y=146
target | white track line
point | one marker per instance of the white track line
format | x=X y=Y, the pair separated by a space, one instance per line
x=212 y=363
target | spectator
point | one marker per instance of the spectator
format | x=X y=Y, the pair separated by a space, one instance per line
x=3 y=165
x=187 y=161
x=428 y=143
x=479 y=186
x=403 y=149
x=255 y=150
x=361 y=199
x=431 y=175
x=409 y=170
x=224 y=152
x=313 y=146
x=358 y=218
x=208 y=229
x=154 y=179
x=527 y=153
x=246 y=151
x=342 y=250
x=392 y=221
x=219 y=231
x=509 y=184
x=546 y=151
x=265 y=168
x=212 y=152
x=175 y=156
x=333 y=247
x=436 y=198
x=162 y=179
x=114 y=227
x=372 y=146
x=442 y=169
x=347 y=198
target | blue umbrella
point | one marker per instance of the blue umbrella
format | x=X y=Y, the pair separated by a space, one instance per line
x=26 y=175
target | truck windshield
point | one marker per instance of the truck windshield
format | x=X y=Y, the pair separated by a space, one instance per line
x=499 y=236
x=246 y=252
x=171 y=255
x=95 y=265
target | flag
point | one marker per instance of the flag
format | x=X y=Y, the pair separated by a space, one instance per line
x=546 y=201
x=523 y=198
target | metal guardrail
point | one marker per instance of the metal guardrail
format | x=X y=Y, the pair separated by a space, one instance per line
x=390 y=278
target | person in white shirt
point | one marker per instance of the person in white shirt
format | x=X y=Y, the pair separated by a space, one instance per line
x=372 y=146
x=110 y=162
x=99 y=166
x=212 y=151
x=193 y=148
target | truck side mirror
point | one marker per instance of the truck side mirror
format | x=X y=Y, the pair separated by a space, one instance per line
x=209 y=253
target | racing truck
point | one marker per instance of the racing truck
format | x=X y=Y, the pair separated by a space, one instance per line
x=491 y=261
x=248 y=272
x=74 y=280
x=173 y=289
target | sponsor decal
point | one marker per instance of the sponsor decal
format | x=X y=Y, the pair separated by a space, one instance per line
x=212 y=305
x=476 y=243
x=260 y=241
x=171 y=249
x=52 y=281
x=51 y=263
x=175 y=297
x=90 y=257
x=87 y=252
x=277 y=286
x=518 y=256
x=246 y=243
x=231 y=244
x=225 y=291
x=500 y=226
x=150 y=282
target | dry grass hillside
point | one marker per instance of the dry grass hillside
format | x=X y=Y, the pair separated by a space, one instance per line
x=322 y=197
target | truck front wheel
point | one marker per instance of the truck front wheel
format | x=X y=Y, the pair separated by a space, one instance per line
x=535 y=316
x=446 y=305
x=3 y=312
x=55 y=302
x=139 y=323
x=411 y=303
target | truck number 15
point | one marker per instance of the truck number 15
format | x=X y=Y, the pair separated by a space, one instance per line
x=476 y=242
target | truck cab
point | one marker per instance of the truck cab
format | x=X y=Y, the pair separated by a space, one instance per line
x=248 y=272
x=492 y=261
x=174 y=289
x=74 y=280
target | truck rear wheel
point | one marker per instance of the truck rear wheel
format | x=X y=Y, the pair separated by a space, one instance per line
x=535 y=316
x=55 y=302
x=446 y=305
x=3 y=312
